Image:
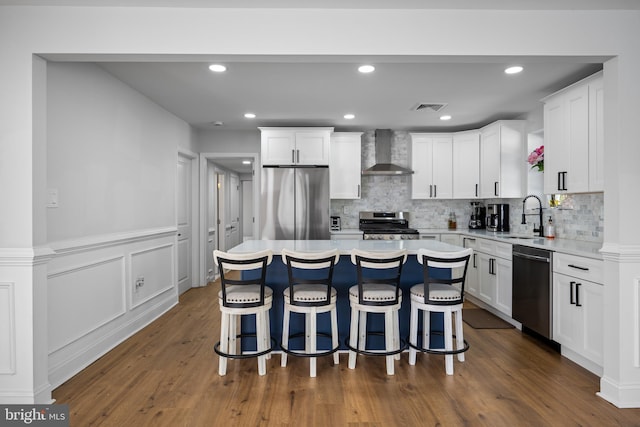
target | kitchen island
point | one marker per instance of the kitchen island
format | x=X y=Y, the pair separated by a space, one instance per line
x=344 y=277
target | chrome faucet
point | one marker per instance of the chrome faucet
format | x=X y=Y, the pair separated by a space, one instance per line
x=538 y=230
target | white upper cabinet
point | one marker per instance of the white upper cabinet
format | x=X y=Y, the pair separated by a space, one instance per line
x=502 y=160
x=432 y=164
x=345 y=166
x=574 y=138
x=295 y=146
x=466 y=165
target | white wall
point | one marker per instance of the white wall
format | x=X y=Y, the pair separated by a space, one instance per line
x=111 y=155
x=229 y=141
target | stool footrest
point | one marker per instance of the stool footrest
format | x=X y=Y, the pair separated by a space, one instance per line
x=438 y=351
x=216 y=348
x=300 y=353
x=403 y=347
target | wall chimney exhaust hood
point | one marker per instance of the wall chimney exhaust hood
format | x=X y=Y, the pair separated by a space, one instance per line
x=383 y=165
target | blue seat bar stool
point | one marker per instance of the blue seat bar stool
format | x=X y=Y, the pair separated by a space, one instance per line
x=310 y=292
x=378 y=291
x=440 y=295
x=242 y=296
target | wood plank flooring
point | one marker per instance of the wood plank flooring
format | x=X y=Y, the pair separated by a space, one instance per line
x=167 y=375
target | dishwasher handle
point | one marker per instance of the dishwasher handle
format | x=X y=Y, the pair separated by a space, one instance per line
x=532 y=257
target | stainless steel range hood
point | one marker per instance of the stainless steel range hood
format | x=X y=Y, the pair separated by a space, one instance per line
x=383 y=165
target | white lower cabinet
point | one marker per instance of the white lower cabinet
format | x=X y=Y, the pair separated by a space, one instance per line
x=489 y=273
x=578 y=310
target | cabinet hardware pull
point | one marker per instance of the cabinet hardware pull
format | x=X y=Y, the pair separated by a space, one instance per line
x=293 y=156
x=358 y=190
x=571 y=300
x=430 y=190
x=578 y=294
x=492 y=266
x=495 y=188
x=474 y=261
x=298 y=156
x=435 y=190
x=476 y=190
x=578 y=267
x=559 y=174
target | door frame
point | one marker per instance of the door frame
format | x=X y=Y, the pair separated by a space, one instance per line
x=213 y=156
x=195 y=240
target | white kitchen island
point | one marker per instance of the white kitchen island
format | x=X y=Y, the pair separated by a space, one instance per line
x=344 y=277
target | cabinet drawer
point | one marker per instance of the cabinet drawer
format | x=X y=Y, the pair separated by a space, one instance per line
x=491 y=247
x=579 y=267
x=470 y=242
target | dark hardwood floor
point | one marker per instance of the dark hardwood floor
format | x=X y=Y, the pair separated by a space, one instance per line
x=167 y=375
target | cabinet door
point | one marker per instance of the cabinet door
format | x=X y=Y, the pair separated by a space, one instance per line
x=503 y=272
x=556 y=152
x=466 y=165
x=421 y=154
x=278 y=147
x=442 y=167
x=596 y=135
x=490 y=162
x=486 y=278
x=312 y=147
x=577 y=120
x=566 y=323
x=345 y=167
x=592 y=319
x=471 y=281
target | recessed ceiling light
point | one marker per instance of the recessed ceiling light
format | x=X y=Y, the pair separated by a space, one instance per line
x=514 y=70
x=445 y=117
x=217 y=68
x=249 y=115
x=366 y=69
x=246 y=162
x=349 y=116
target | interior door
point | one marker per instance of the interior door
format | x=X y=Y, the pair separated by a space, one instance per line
x=222 y=216
x=234 y=211
x=184 y=215
x=247 y=210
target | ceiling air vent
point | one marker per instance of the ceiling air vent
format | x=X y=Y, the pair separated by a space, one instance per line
x=430 y=106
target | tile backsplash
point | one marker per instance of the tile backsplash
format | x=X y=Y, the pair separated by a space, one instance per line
x=581 y=219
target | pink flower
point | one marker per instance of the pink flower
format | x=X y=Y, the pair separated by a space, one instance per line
x=536 y=156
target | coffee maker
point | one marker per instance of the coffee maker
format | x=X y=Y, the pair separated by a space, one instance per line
x=478 y=216
x=498 y=217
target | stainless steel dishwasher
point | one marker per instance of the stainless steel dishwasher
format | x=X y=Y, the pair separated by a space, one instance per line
x=532 y=291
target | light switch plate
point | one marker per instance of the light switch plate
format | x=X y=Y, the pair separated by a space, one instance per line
x=52 y=198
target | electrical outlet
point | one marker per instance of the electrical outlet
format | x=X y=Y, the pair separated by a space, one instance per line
x=139 y=282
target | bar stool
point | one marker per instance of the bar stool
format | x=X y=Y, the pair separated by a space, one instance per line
x=378 y=291
x=310 y=292
x=240 y=297
x=439 y=295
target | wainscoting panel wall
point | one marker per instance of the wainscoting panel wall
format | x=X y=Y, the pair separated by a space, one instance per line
x=7 y=329
x=103 y=290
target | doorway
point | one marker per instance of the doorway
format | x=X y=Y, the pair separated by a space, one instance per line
x=186 y=220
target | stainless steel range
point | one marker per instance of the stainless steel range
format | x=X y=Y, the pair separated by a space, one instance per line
x=387 y=226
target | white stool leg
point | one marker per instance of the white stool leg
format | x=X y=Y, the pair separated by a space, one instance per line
x=353 y=336
x=233 y=331
x=334 y=334
x=224 y=344
x=426 y=329
x=389 y=339
x=362 y=331
x=261 y=330
x=413 y=333
x=285 y=335
x=313 y=317
x=267 y=336
x=459 y=334
x=448 y=342
x=396 y=333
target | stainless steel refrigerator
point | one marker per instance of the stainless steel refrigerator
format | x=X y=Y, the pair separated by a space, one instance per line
x=294 y=203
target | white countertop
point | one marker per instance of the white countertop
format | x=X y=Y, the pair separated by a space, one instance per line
x=572 y=247
x=344 y=246
x=567 y=246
